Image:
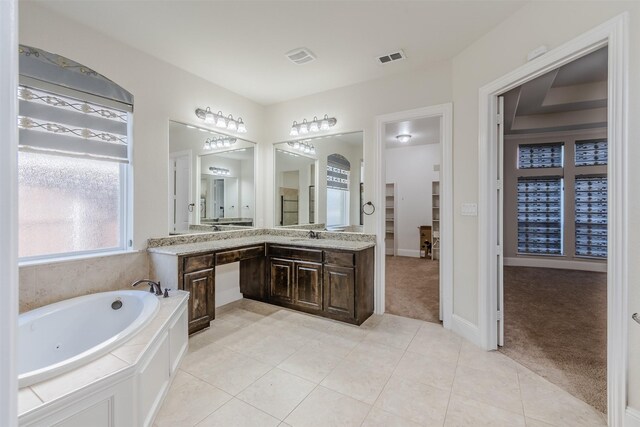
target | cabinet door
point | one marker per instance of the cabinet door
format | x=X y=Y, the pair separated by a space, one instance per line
x=281 y=280
x=339 y=289
x=308 y=285
x=202 y=298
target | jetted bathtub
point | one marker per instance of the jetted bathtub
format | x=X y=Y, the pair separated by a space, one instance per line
x=63 y=336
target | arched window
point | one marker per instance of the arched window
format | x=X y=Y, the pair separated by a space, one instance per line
x=338 y=171
x=74 y=145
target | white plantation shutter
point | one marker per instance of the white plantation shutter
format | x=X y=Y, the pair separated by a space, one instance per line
x=591 y=216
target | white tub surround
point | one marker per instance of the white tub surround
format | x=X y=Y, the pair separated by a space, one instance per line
x=124 y=387
x=60 y=337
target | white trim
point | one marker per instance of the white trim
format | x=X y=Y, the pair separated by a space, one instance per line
x=8 y=212
x=600 y=267
x=632 y=418
x=465 y=329
x=71 y=258
x=445 y=112
x=413 y=253
x=614 y=34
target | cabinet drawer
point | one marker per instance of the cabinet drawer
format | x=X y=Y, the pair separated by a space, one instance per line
x=313 y=255
x=198 y=262
x=241 y=254
x=345 y=259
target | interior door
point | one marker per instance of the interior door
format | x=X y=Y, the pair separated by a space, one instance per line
x=500 y=227
x=182 y=207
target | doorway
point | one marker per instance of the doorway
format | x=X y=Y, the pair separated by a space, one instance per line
x=412 y=218
x=612 y=34
x=553 y=146
x=181 y=207
x=419 y=244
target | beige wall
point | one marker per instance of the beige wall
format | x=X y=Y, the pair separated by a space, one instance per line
x=500 y=51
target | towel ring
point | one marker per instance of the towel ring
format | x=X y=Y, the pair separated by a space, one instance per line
x=373 y=208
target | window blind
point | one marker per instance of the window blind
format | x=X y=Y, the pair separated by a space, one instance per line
x=540 y=216
x=52 y=122
x=338 y=170
x=591 y=216
x=532 y=156
x=591 y=153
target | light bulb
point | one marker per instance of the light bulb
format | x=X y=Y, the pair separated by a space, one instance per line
x=403 y=138
x=232 y=141
x=206 y=146
x=304 y=127
x=313 y=126
x=313 y=150
x=307 y=149
x=241 y=127
x=231 y=124
x=209 y=116
x=294 y=130
x=227 y=143
x=324 y=125
x=221 y=122
x=296 y=145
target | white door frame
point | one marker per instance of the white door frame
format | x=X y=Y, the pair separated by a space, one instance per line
x=445 y=112
x=614 y=34
x=8 y=212
x=195 y=215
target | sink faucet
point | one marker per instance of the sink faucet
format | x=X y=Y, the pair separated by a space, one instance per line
x=215 y=228
x=313 y=235
x=154 y=286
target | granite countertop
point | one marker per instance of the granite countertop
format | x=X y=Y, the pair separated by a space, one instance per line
x=215 y=245
x=123 y=357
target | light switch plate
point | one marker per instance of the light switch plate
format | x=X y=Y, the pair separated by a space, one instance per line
x=469 y=209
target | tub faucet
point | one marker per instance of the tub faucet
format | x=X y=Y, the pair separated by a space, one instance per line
x=313 y=234
x=154 y=286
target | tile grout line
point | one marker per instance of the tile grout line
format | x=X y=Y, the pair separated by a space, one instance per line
x=446 y=412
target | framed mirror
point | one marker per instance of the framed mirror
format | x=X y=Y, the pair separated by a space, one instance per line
x=211 y=180
x=319 y=183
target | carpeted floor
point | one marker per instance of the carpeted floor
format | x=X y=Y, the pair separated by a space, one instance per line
x=556 y=325
x=412 y=287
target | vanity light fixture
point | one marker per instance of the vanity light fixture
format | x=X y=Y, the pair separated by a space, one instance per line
x=404 y=138
x=220 y=171
x=303 y=147
x=221 y=142
x=219 y=120
x=316 y=125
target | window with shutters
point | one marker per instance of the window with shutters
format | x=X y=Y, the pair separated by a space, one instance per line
x=73 y=162
x=338 y=171
x=591 y=153
x=535 y=156
x=591 y=216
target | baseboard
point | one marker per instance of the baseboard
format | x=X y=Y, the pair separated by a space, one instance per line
x=409 y=252
x=465 y=329
x=632 y=417
x=556 y=263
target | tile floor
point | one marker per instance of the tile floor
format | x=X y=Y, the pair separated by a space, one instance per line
x=260 y=365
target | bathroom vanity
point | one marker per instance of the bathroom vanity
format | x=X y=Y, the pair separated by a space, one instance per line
x=329 y=278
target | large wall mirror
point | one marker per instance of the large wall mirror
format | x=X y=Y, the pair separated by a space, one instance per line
x=212 y=180
x=319 y=183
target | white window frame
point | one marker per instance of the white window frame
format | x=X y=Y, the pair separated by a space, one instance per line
x=125 y=212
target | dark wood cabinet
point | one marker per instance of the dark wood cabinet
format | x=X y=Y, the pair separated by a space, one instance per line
x=307 y=288
x=281 y=280
x=202 y=298
x=328 y=282
x=339 y=291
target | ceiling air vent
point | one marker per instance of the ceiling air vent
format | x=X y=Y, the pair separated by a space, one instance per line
x=391 y=57
x=300 y=56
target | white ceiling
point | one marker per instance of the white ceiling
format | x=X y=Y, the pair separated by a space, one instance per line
x=571 y=97
x=240 y=45
x=422 y=131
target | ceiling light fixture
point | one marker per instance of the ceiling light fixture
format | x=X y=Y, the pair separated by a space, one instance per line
x=220 y=171
x=404 y=138
x=221 y=142
x=303 y=147
x=314 y=126
x=219 y=120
